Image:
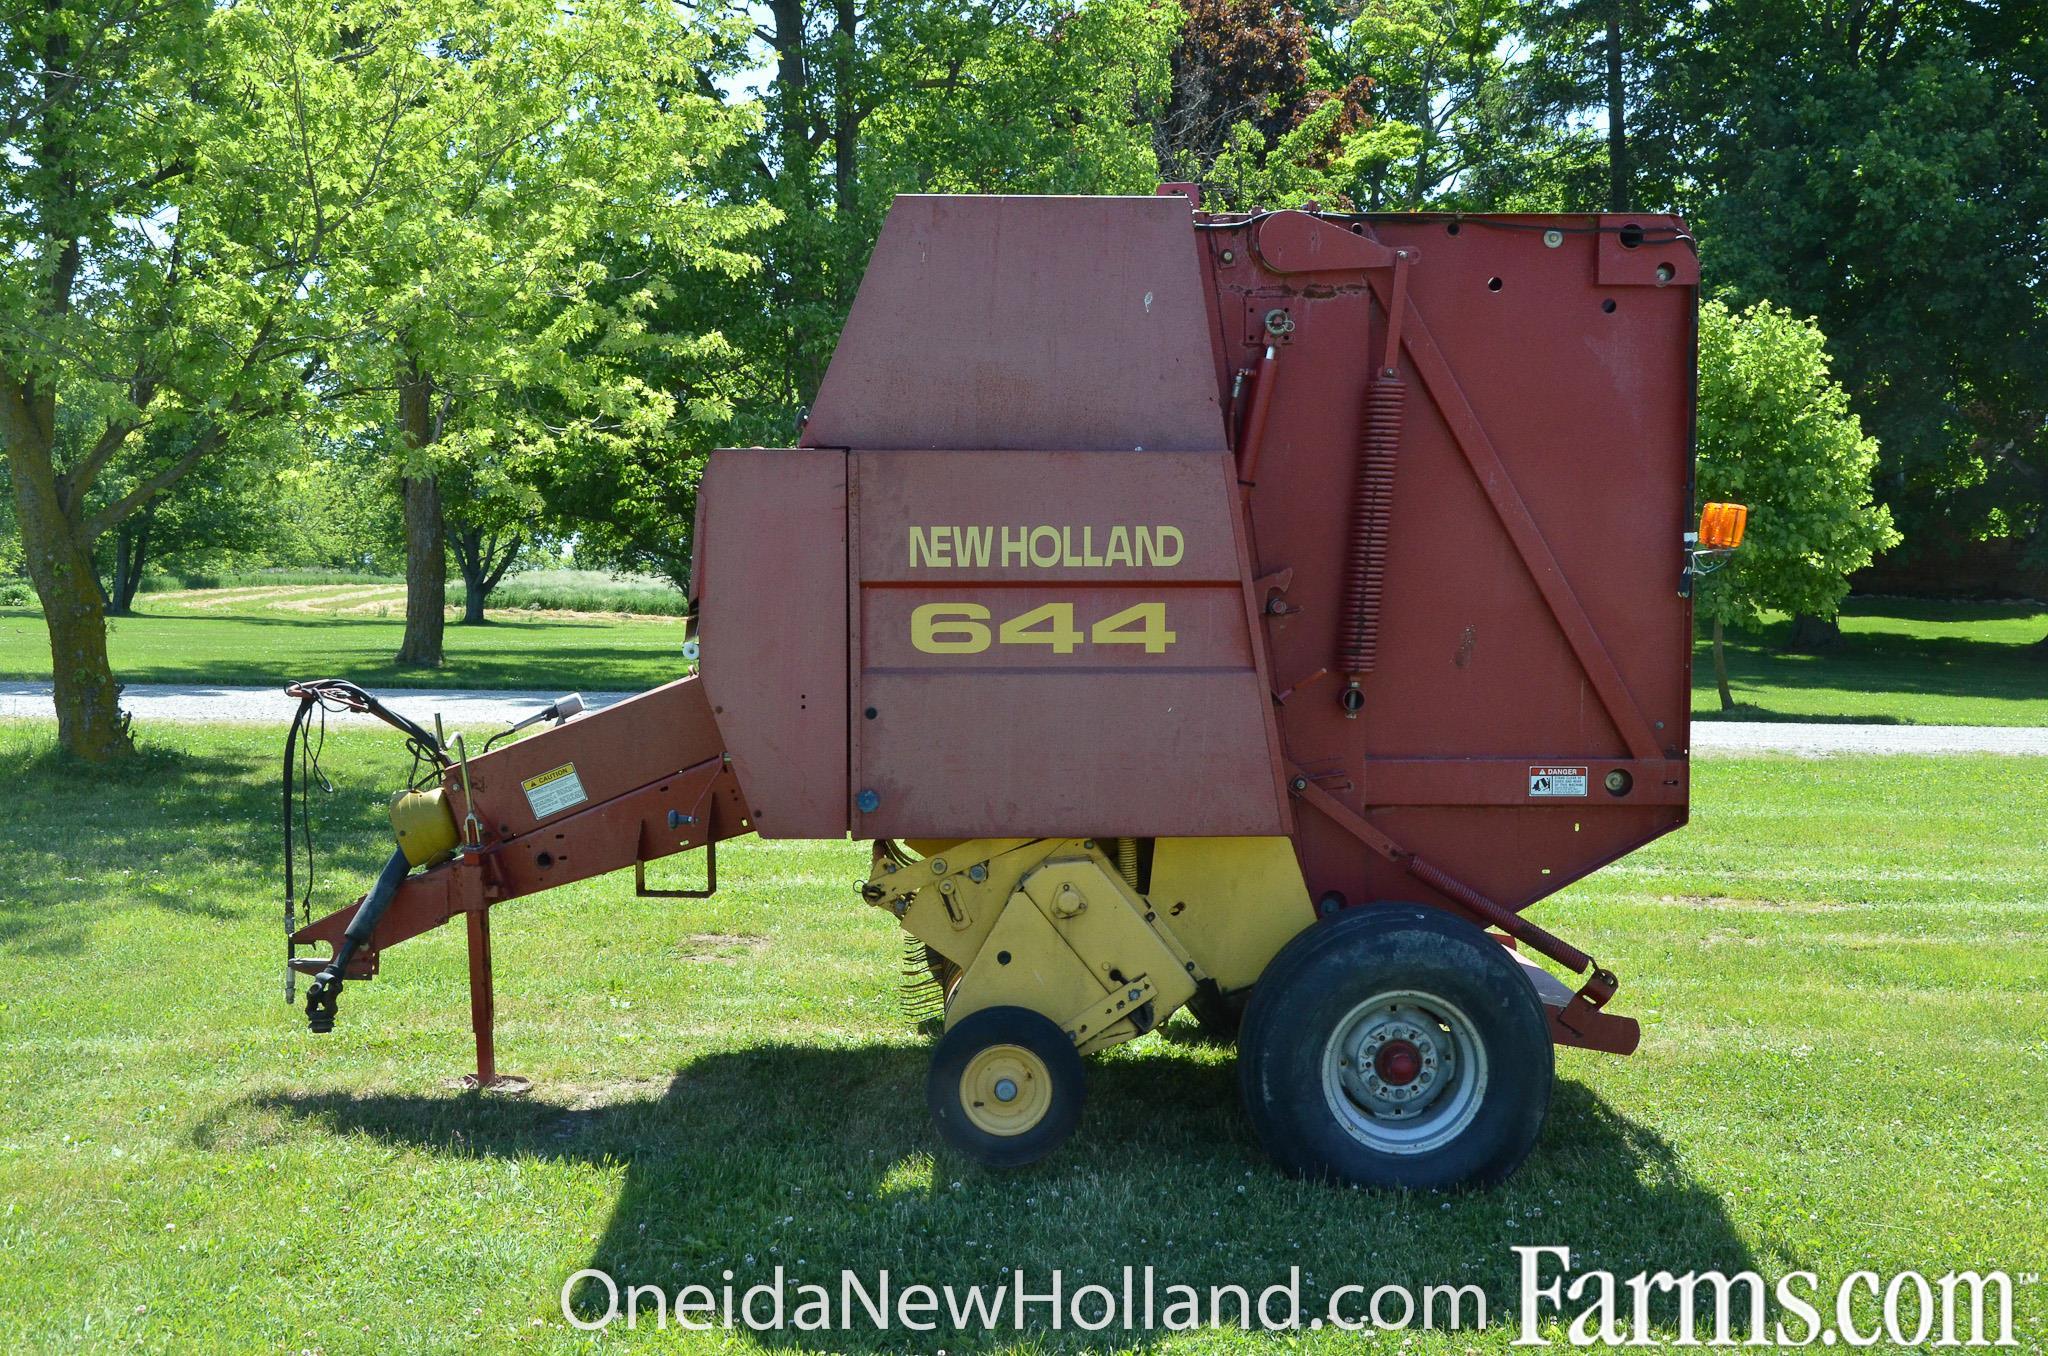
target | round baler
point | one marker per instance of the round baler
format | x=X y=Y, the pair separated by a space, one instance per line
x=1252 y=613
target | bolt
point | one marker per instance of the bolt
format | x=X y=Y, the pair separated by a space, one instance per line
x=1006 y=1091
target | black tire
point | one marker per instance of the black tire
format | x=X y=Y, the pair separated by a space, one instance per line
x=1218 y=1014
x=1038 y=1061
x=1450 y=1026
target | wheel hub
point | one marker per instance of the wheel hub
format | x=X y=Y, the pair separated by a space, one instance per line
x=1005 y=1090
x=1404 y=1072
x=1398 y=1063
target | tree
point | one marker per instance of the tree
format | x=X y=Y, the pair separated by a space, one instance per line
x=1884 y=168
x=1776 y=433
x=542 y=145
x=491 y=518
x=1595 y=71
x=230 y=512
x=1237 y=62
x=160 y=233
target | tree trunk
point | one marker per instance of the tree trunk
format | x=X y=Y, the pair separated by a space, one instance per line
x=1721 y=668
x=1813 y=635
x=791 y=81
x=426 y=559
x=1617 y=101
x=476 y=587
x=484 y=558
x=845 y=111
x=58 y=555
x=473 y=599
x=131 y=553
x=112 y=591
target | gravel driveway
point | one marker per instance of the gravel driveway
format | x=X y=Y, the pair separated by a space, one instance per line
x=480 y=710
x=269 y=706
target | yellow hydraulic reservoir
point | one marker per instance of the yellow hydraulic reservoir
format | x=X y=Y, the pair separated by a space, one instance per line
x=423 y=825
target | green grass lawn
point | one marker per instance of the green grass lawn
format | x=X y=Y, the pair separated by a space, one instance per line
x=269 y=634
x=1839 y=967
x=1901 y=661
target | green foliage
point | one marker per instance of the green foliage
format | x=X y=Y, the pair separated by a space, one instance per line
x=1885 y=169
x=1049 y=101
x=548 y=156
x=1317 y=161
x=588 y=591
x=1776 y=433
x=235 y=232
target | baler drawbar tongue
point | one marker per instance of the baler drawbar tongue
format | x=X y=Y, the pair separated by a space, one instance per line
x=598 y=791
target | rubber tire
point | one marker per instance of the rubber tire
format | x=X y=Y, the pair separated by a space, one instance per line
x=1322 y=975
x=1005 y=1026
x=1220 y=1015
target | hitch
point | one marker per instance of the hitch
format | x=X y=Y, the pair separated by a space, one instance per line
x=325 y=993
x=637 y=781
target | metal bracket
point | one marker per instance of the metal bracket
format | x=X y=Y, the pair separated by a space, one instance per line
x=710 y=878
x=1270 y=588
x=1125 y=1000
x=1582 y=1022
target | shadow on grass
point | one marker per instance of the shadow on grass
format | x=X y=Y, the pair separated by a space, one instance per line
x=1746 y=712
x=156 y=831
x=1883 y=664
x=813 y=1159
x=329 y=621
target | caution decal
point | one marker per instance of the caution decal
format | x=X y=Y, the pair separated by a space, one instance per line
x=1557 y=781
x=553 y=791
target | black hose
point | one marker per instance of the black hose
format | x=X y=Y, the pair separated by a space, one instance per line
x=322 y=997
x=291 y=741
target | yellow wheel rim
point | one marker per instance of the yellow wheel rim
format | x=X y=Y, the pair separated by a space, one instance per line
x=1005 y=1090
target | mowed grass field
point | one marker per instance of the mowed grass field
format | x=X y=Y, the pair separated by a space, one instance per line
x=1840 y=967
x=1900 y=661
x=269 y=634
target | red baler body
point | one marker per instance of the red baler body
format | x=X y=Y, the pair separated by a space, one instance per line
x=1024 y=379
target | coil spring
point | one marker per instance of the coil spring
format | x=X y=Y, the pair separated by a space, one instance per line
x=1372 y=511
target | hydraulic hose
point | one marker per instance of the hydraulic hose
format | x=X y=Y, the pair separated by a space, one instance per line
x=325 y=992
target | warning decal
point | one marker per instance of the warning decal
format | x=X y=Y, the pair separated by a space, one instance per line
x=550 y=793
x=1557 y=781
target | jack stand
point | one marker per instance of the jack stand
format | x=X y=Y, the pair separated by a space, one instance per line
x=483 y=1013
